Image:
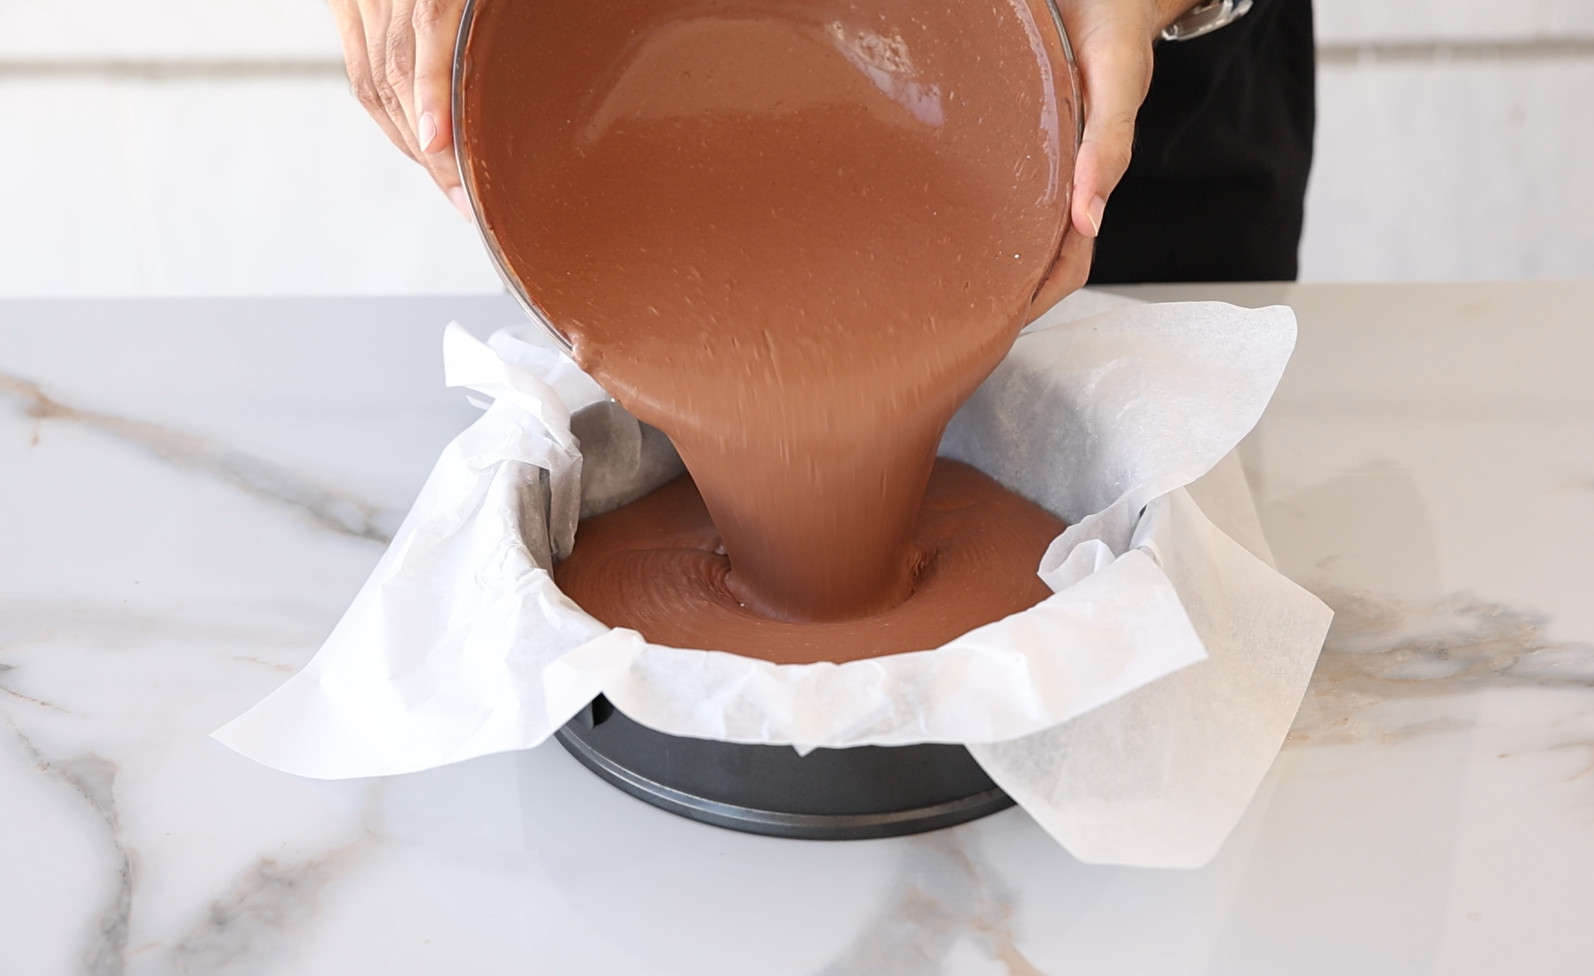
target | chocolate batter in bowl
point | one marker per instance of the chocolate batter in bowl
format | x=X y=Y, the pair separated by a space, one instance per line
x=794 y=235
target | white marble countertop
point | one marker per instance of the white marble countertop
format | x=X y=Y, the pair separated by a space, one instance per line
x=193 y=490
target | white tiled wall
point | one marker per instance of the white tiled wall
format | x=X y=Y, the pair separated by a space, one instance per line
x=219 y=186
x=186 y=147
x=1447 y=170
x=1455 y=140
x=33 y=30
x=1339 y=21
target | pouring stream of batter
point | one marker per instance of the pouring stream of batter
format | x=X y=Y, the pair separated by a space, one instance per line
x=795 y=236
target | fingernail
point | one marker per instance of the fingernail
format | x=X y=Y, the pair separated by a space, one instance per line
x=461 y=203
x=428 y=132
x=1098 y=207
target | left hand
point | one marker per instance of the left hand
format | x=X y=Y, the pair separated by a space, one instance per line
x=400 y=59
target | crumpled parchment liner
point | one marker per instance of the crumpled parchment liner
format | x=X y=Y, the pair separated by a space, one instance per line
x=1132 y=713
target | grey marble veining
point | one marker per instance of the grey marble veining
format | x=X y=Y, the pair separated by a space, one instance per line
x=941 y=897
x=247 y=927
x=93 y=779
x=330 y=507
x=1381 y=651
x=165 y=562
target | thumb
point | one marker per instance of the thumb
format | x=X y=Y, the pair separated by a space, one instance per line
x=436 y=24
x=1114 y=54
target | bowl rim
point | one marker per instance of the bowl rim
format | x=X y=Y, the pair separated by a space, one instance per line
x=513 y=285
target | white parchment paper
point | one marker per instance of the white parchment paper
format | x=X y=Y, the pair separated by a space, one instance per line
x=1132 y=713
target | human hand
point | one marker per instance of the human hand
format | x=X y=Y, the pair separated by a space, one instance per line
x=400 y=59
x=1112 y=42
x=399 y=55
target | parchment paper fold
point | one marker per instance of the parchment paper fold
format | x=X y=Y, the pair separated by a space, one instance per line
x=1132 y=713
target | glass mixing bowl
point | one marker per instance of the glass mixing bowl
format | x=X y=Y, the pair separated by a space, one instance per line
x=896 y=48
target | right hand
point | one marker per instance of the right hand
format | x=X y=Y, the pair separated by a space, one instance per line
x=1113 y=42
x=400 y=59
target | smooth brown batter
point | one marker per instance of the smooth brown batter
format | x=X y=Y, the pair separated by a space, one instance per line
x=976 y=547
x=795 y=236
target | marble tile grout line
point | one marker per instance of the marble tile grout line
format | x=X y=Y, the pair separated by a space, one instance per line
x=1530 y=49
x=174 y=69
x=1334 y=52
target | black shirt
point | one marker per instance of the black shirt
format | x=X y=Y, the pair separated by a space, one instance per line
x=1216 y=187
